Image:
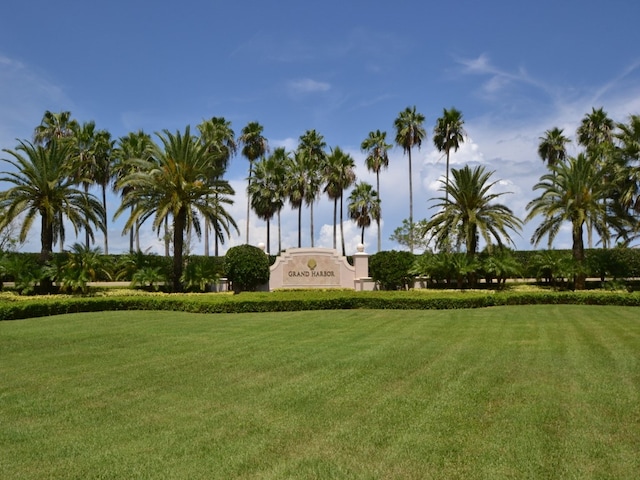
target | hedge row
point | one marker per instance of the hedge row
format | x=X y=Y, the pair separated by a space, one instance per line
x=299 y=301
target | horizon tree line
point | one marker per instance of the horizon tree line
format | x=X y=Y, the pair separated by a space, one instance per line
x=178 y=182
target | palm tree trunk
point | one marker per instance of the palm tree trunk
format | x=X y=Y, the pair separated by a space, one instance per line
x=207 y=226
x=279 y=234
x=268 y=249
x=300 y=226
x=335 y=218
x=311 y=210
x=378 y=189
x=410 y=204
x=106 y=221
x=249 y=200
x=87 y=239
x=342 y=224
x=578 y=257
x=179 y=223
x=46 y=238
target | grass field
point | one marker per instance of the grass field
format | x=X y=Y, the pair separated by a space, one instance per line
x=506 y=392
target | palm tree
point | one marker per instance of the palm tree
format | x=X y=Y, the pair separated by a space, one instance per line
x=42 y=185
x=595 y=131
x=277 y=165
x=254 y=146
x=176 y=185
x=552 y=148
x=628 y=174
x=574 y=192
x=219 y=137
x=468 y=212
x=84 y=160
x=449 y=134
x=364 y=206
x=410 y=133
x=340 y=175
x=104 y=174
x=296 y=185
x=54 y=126
x=266 y=198
x=311 y=148
x=377 y=159
x=132 y=148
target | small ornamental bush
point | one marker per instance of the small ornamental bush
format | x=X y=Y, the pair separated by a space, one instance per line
x=391 y=269
x=246 y=267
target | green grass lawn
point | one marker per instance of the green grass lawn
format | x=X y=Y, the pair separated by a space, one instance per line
x=506 y=392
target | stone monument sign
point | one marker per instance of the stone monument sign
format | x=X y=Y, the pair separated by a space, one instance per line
x=317 y=268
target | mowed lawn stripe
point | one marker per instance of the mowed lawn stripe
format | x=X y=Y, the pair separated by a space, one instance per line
x=508 y=392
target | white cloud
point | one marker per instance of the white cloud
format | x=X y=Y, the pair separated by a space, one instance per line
x=307 y=85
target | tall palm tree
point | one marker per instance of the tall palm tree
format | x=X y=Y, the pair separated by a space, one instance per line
x=296 y=185
x=277 y=166
x=595 y=133
x=132 y=149
x=266 y=199
x=470 y=212
x=628 y=174
x=84 y=159
x=552 y=148
x=377 y=148
x=42 y=185
x=104 y=174
x=54 y=126
x=255 y=146
x=312 y=150
x=574 y=191
x=449 y=134
x=364 y=206
x=410 y=133
x=176 y=185
x=339 y=175
x=595 y=130
x=219 y=137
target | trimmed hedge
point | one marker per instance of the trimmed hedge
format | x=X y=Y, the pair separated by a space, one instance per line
x=303 y=300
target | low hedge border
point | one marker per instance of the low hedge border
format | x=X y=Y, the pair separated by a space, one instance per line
x=22 y=308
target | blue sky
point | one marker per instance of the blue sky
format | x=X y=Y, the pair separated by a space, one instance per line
x=514 y=69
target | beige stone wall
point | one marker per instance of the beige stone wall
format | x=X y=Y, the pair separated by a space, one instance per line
x=313 y=268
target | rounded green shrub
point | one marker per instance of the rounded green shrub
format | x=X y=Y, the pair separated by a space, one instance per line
x=392 y=269
x=246 y=267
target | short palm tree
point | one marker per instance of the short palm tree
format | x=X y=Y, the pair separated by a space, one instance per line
x=410 y=133
x=255 y=146
x=377 y=159
x=449 y=134
x=575 y=192
x=469 y=212
x=364 y=206
x=41 y=185
x=339 y=175
x=176 y=184
x=552 y=148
